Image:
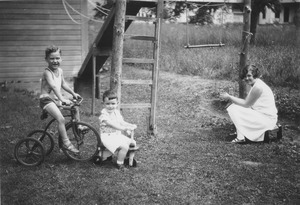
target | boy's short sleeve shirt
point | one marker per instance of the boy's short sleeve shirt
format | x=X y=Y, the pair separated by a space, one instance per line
x=115 y=117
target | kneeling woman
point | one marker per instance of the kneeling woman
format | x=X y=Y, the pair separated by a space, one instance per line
x=255 y=114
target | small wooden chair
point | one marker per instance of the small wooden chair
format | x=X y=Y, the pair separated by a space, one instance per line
x=269 y=133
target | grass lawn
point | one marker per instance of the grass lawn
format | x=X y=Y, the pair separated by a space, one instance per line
x=189 y=162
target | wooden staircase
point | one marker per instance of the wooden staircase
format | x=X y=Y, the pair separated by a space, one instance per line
x=102 y=49
x=104 y=39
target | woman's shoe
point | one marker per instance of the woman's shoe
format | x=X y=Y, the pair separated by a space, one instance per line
x=238 y=141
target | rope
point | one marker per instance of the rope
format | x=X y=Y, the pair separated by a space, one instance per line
x=99 y=8
x=186 y=28
x=222 y=22
x=65 y=4
x=67 y=11
x=199 y=7
x=247 y=38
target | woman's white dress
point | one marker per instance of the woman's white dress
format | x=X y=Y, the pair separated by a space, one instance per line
x=261 y=116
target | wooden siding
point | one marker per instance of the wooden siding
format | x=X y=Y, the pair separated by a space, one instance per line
x=28 y=27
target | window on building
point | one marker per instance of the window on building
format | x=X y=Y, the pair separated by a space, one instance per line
x=264 y=13
x=286 y=14
x=237 y=7
x=277 y=14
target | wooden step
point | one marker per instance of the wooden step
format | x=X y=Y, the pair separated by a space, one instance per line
x=136 y=105
x=143 y=38
x=139 y=18
x=138 y=60
x=238 y=13
x=136 y=82
x=106 y=51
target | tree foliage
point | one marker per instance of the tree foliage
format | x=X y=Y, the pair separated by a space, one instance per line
x=203 y=12
x=203 y=17
x=102 y=4
x=258 y=6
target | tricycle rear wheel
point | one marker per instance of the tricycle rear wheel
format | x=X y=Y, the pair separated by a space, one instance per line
x=45 y=138
x=29 y=152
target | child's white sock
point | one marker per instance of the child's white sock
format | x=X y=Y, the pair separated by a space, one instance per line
x=66 y=141
x=120 y=162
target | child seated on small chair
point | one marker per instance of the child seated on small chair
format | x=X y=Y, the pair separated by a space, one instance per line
x=114 y=129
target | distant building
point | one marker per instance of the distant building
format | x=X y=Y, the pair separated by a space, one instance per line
x=235 y=15
x=286 y=15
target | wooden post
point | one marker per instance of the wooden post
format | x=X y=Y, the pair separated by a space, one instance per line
x=297 y=23
x=94 y=83
x=117 y=47
x=246 y=36
x=84 y=31
x=152 y=129
x=98 y=86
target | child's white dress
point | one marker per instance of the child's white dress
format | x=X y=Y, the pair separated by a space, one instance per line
x=111 y=138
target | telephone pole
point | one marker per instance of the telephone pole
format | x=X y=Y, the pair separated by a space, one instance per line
x=246 y=36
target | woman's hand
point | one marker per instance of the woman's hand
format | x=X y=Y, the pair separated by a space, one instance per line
x=133 y=126
x=225 y=96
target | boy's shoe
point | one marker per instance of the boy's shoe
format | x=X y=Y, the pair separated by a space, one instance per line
x=120 y=166
x=70 y=148
x=134 y=163
x=135 y=148
x=97 y=160
x=108 y=159
x=83 y=129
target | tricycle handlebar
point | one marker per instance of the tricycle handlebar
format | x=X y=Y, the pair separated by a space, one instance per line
x=75 y=102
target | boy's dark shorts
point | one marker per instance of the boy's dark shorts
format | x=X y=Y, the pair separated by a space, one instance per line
x=44 y=101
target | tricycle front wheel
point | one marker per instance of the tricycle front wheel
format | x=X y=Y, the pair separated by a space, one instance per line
x=86 y=140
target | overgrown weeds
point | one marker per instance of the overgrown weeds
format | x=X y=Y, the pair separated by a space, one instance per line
x=275 y=51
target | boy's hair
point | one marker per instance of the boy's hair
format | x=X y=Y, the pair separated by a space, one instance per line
x=250 y=67
x=110 y=95
x=51 y=49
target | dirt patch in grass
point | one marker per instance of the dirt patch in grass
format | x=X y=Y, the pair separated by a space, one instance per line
x=188 y=162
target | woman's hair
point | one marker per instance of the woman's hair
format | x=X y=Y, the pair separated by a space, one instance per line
x=51 y=49
x=110 y=95
x=250 y=67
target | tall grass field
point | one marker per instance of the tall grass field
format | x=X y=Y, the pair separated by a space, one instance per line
x=275 y=51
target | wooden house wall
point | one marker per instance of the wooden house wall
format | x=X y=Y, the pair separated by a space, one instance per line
x=28 y=27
